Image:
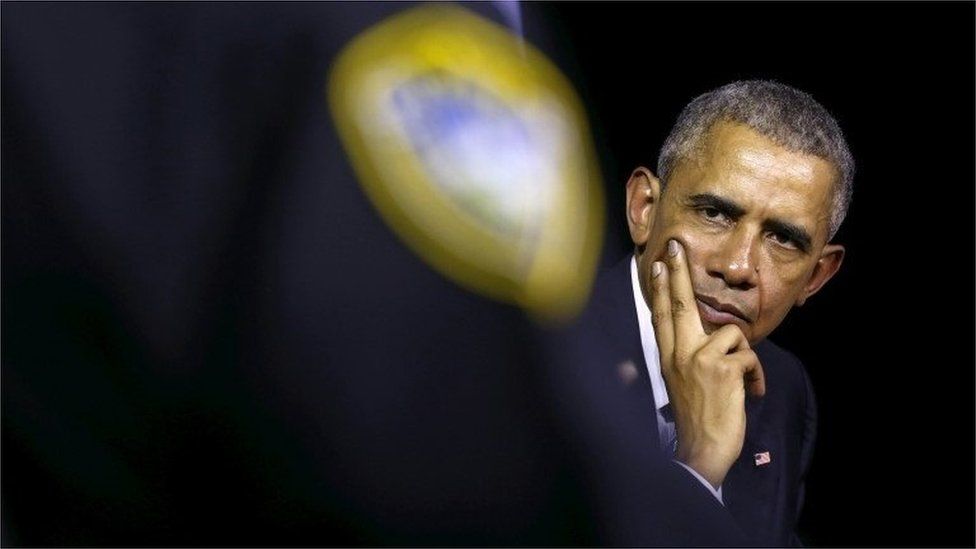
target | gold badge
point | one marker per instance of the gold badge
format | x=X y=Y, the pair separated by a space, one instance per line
x=474 y=148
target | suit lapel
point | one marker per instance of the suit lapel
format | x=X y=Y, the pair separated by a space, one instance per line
x=616 y=315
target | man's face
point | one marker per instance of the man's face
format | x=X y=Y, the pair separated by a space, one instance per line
x=753 y=218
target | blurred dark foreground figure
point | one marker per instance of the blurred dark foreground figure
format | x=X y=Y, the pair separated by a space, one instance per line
x=210 y=336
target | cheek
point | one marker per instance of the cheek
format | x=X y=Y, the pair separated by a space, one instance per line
x=779 y=293
x=698 y=248
x=666 y=227
x=657 y=246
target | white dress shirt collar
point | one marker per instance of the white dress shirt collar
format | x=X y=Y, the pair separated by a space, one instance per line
x=648 y=342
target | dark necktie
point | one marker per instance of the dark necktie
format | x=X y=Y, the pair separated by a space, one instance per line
x=667 y=432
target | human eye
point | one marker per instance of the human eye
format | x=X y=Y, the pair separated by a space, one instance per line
x=714 y=211
x=713 y=214
x=784 y=240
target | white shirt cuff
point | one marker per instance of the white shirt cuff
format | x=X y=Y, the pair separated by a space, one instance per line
x=705 y=483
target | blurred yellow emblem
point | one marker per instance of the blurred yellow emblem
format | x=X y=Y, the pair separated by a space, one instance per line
x=475 y=150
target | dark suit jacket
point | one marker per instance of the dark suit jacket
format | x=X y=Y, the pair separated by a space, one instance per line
x=764 y=500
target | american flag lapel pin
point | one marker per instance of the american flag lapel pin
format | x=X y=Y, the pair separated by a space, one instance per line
x=762 y=458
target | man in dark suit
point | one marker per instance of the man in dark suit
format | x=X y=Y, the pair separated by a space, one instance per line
x=755 y=179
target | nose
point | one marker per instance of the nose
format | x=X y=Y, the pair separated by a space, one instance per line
x=736 y=259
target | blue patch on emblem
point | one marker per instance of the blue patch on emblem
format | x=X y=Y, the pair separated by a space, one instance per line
x=476 y=148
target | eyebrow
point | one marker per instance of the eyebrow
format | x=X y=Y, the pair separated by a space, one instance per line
x=727 y=207
x=797 y=234
x=794 y=232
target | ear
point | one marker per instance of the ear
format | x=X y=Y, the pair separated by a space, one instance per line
x=830 y=259
x=643 y=194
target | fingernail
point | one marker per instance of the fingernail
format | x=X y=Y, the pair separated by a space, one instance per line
x=672 y=247
x=655 y=269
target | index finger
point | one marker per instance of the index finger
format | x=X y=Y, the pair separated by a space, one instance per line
x=684 y=308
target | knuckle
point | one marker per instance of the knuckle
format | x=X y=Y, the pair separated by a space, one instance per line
x=748 y=361
x=656 y=318
x=679 y=305
x=675 y=263
x=731 y=330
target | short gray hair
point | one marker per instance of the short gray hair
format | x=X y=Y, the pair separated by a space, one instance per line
x=789 y=117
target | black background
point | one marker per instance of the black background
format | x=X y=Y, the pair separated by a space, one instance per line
x=889 y=341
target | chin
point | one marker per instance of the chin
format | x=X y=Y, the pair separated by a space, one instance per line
x=710 y=328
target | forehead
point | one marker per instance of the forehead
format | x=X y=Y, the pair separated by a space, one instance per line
x=765 y=179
